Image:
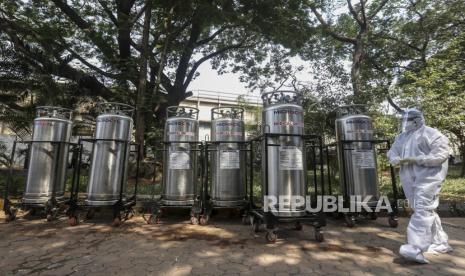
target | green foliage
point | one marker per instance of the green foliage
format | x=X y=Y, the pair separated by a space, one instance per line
x=438 y=90
x=4 y=157
x=255 y=111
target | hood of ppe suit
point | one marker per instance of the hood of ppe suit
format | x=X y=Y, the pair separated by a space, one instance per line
x=412 y=119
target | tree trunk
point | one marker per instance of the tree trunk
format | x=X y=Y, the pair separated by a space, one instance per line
x=357 y=59
x=142 y=83
x=462 y=151
x=123 y=9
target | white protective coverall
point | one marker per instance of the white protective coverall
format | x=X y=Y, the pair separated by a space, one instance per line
x=422 y=153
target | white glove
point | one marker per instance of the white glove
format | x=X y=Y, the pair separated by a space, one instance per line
x=408 y=160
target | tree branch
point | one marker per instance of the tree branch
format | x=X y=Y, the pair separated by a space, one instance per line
x=205 y=58
x=362 y=8
x=87 y=28
x=393 y=104
x=20 y=29
x=211 y=37
x=378 y=9
x=164 y=80
x=61 y=70
x=353 y=12
x=138 y=15
x=108 y=12
x=413 y=47
x=187 y=53
x=329 y=30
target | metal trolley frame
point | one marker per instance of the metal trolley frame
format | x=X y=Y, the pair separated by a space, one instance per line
x=123 y=208
x=209 y=206
x=258 y=216
x=350 y=218
x=52 y=206
x=157 y=206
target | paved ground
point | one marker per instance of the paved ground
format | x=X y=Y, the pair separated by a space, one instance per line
x=224 y=247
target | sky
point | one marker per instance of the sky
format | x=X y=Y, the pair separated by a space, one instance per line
x=210 y=80
x=229 y=82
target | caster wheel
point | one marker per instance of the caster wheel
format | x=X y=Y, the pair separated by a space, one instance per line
x=393 y=222
x=50 y=217
x=10 y=217
x=298 y=226
x=373 y=216
x=32 y=212
x=319 y=236
x=153 y=219
x=194 y=220
x=350 y=221
x=73 y=221
x=245 y=220
x=271 y=236
x=116 y=222
x=204 y=220
x=129 y=214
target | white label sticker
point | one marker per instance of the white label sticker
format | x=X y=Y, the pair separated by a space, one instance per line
x=229 y=159
x=290 y=158
x=179 y=160
x=364 y=159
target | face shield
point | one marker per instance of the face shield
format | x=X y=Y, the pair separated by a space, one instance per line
x=412 y=119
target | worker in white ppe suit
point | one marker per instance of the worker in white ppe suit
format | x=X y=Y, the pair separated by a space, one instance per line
x=422 y=153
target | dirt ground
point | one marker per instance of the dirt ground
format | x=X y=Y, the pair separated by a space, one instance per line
x=224 y=247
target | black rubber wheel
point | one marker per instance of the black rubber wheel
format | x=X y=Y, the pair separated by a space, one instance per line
x=204 y=220
x=319 y=237
x=50 y=217
x=10 y=217
x=298 y=226
x=32 y=212
x=73 y=221
x=194 y=220
x=350 y=221
x=129 y=214
x=393 y=222
x=153 y=219
x=116 y=222
x=271 y=236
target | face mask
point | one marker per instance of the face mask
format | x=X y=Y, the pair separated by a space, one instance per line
x=408 y=125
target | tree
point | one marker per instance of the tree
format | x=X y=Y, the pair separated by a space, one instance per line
x=351 y=29
x=407 y=34
x=438 y=90
x=141 y=52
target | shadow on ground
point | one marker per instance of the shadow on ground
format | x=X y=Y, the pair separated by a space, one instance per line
x=225 y=246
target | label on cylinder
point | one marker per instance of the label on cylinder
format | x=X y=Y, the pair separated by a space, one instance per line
x=179 y=160
x=229 y=159
x=363 y=159
x=290 y=158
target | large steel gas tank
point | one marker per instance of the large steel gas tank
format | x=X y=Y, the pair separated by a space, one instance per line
x=228 y=159
x=284 y=174
x=180 y=157
x=356 y=159
x=110 y=154
x=48 y=155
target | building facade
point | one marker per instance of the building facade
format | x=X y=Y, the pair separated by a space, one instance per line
x=205 y=100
